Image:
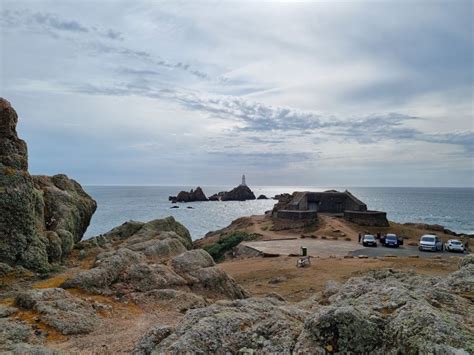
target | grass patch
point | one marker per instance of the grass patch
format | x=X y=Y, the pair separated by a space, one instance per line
x=226 y=243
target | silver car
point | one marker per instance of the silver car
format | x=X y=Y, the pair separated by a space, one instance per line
x=454 y=245
x=430 y=242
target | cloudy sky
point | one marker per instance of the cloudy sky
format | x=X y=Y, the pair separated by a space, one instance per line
x=374 y=93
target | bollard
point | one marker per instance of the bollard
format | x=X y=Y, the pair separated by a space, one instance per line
x=304 y=251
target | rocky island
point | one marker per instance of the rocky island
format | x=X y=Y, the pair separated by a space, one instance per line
x=239 y=193
x=191 y=196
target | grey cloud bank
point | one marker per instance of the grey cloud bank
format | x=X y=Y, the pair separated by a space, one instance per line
x=304 y=93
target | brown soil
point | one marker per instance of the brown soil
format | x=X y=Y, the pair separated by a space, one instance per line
x=261 y=276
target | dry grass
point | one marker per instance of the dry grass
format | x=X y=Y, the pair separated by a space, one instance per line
x=52 y=282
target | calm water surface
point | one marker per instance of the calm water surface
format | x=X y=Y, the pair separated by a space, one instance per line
x=451 y=207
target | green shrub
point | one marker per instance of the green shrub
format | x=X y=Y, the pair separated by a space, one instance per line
x=226 y=243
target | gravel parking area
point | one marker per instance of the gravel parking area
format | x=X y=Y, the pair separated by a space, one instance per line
x=402 y=251
x=326 y=248
x=316 y=247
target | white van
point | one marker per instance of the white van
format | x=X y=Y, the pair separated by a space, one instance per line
x=430 y=242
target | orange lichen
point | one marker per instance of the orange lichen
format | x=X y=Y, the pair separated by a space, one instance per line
x=33 y=318
x=125 y=309
x=51 y=282
x=8 y=302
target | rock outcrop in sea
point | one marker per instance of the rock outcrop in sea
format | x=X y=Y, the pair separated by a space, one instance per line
x=239 y=193
x=191 y=196
x=41 y=218
x=384 y=312
x=217 y=197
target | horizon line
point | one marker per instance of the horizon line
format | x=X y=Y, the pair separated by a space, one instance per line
x=283 y=186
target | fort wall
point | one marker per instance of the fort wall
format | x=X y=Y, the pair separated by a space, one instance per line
x=367 y=218
x=296 y=214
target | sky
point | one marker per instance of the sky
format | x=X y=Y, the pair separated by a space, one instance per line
x=355 y=93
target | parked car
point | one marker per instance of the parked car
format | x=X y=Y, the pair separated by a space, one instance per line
x=454 y=245
x=430 y=242
x=391 y=240
x=369 y=240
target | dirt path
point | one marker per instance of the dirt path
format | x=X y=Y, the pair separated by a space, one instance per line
x=122 y=324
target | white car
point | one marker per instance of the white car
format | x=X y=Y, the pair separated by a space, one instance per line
x=369 y=240
x=430 y=242
x=454 y=245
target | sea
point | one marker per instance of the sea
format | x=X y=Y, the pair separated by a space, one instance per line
x=450 y=207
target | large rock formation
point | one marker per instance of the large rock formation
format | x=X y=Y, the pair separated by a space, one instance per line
x=40 y=217
x=239 y=193
x=153 y=260
x=13 y=151
x=383 y=312
x=191 y=196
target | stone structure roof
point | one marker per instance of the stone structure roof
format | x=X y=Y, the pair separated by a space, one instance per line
x=325 y=202
x=305 y=205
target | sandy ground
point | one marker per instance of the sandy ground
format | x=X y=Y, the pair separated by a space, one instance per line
x=118 y=334
x=261 y=276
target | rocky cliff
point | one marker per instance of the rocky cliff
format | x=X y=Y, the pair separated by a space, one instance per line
x=40 y=217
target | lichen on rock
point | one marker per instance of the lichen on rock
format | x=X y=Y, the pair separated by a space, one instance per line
x=59 y=309
x=40 y=217
x=138 y=258
x=384 y=312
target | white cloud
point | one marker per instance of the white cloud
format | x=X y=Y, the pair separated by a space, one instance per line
x=291 y=88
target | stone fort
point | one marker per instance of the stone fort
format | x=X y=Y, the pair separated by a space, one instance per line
x=306 y=206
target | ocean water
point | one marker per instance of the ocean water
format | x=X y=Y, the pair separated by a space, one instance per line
x=451 y=207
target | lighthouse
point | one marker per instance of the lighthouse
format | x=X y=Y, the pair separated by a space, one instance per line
x=243 y=181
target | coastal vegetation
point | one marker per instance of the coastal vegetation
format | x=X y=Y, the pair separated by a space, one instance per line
x=226 y=243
